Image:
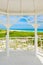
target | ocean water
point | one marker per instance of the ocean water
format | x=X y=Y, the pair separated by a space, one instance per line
x=26 y=30
x=30 y=30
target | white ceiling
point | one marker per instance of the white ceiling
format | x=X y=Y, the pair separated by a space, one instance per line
x=21 y=6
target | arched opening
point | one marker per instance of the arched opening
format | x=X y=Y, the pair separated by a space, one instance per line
x=22 y=30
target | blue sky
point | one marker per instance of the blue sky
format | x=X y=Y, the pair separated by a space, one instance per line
x=21 y=23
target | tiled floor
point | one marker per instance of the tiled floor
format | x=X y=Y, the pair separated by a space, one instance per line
x=19 y=58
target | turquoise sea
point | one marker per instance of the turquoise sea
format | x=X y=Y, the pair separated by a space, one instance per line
x=25 y=30
x=29 y=30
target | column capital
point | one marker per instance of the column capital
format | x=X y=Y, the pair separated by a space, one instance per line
x=35 y=25
x=8 y=25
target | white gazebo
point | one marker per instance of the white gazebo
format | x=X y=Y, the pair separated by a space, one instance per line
x=21 y=8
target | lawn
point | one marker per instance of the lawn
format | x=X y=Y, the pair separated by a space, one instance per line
x=18 y=34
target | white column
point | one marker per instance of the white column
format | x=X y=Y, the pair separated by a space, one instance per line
x=7 y=36
x=36 y=37
x=36 y=41
x=7 y=42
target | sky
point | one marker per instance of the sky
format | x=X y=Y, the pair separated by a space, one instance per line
x=21 y=23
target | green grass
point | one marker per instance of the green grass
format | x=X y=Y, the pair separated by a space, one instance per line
x=21 y=34
x=18 y=33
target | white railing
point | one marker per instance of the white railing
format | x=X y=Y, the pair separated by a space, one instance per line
x=19 y=42
x=27 y=42
x=23 y=42
x=2 y=44
x=40 y=47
